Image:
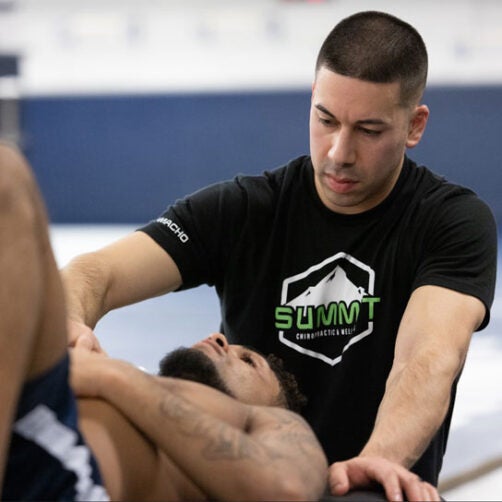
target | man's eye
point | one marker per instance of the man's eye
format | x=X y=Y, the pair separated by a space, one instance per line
x=324 y=121
x=370 y=132
x=248 y=359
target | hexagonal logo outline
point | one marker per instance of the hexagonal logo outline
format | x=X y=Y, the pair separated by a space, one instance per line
x=284 y=300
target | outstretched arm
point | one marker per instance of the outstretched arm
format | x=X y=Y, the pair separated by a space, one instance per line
x=229 y=449
x=130 y=270
x=431 y=347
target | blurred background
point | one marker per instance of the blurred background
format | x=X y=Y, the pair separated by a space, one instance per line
x=123 y=106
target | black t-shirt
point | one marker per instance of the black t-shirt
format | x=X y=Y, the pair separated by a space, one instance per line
x=326 y=291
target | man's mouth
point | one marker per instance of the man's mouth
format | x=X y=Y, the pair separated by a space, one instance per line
x=340 y=184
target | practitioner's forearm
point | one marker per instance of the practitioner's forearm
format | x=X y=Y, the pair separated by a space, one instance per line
x=410 y=414
x=85 y=280
x=128 y=271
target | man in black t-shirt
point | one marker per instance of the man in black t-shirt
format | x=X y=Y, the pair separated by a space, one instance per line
x=366 y=273
x=154 y=437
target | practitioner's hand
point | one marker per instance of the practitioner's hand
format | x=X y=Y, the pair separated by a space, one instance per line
x=362 y=472
x=86 y=367
x=80 y=335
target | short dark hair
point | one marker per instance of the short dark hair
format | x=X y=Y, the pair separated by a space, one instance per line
x=377 y=47
x=290 y=396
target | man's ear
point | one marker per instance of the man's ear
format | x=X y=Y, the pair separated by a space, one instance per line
x=417 y=125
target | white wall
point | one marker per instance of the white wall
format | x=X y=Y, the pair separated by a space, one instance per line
x=115 y=46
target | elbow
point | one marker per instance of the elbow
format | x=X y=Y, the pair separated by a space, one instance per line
x=300 y=487
x=298 y=490
x=280 y=490
x=284 y=483
x=304 y=481
x=86 y=269
x=450 y=366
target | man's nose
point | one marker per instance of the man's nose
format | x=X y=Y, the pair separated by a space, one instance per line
x=221 y=340
x=342 y=151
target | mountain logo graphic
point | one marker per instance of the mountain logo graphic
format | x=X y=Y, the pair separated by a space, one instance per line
x=328 y=308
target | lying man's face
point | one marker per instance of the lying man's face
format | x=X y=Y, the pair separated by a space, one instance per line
x=233 y=369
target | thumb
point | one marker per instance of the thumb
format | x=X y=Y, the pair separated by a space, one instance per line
x=86 y=341
x=338 y=480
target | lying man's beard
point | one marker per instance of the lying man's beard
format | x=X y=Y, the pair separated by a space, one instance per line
x=194 y=365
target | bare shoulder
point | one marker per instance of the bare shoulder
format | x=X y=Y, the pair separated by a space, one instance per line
x=280 y=416
x=285 y=427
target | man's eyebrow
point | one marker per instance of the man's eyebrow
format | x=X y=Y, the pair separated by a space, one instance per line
x=255 y=351
x=324 y=110
x=252 y=349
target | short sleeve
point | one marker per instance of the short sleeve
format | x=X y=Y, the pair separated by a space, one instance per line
x=198 y=231
x=460 y=249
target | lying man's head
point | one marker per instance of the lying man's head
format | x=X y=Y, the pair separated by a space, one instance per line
x=235 y=370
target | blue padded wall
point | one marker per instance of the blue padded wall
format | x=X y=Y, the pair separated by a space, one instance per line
x=110 y=159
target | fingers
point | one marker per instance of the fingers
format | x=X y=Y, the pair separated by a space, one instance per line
x=86 y=367
x=338 y=479
x=75 y=329
x=392 y=487
x=80 y=335
x=432 y=492
x=84 y=342
x=420 y=490
x=390 y=475
x=398 y=482
x=415 y=489
x=89 y=341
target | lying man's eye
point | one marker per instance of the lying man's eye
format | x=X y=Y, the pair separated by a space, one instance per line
x=248 y=359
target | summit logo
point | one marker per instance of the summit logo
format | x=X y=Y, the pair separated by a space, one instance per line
x=328 y=308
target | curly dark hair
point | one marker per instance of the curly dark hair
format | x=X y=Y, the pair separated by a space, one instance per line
x=291 y=396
